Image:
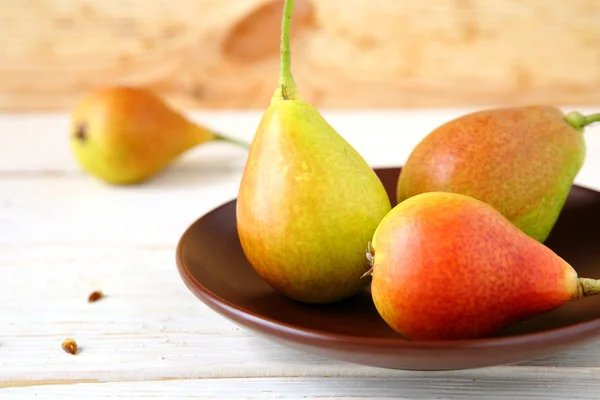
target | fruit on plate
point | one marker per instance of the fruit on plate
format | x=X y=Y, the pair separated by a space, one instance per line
x=520 y=160
x=126 y=135
x=448 y=266
x=307 y=202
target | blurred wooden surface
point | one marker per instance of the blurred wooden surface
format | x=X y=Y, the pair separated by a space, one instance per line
x=346 y=53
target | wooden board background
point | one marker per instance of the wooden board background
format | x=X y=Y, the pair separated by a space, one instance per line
x=346 y=53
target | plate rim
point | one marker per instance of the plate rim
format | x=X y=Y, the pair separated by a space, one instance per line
x=259 y=322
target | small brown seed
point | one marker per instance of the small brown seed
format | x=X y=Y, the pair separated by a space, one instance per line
x=69 y=346
x=95 y=296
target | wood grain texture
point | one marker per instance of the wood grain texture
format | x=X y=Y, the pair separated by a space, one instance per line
x=346 y=53
x=64 y=235
x=553 y=385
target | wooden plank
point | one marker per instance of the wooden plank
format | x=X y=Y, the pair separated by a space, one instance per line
x=25 y=140
x=63 y=235
x=346 y=53
x=58 y=248
x=514 y=383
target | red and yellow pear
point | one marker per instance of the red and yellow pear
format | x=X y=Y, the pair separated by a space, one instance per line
x=520 y=160
x=449 y=266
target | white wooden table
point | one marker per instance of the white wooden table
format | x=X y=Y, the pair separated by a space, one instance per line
x=64 y=235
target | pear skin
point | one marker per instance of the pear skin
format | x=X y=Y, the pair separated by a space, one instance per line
x=521 y=160
x=126 y=135
x=308 y=202
x=447 y=266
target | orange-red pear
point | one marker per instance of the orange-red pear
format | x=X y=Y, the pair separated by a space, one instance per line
x=449 y=266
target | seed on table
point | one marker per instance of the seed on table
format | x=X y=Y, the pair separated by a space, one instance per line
x=95 y=296
x=70 y=346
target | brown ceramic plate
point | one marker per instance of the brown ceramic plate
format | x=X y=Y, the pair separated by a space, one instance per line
x=212 y=265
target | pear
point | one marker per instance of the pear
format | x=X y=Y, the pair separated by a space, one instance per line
x=447 y=266
x=307 y=200
x=520 y=160
x=126 y=135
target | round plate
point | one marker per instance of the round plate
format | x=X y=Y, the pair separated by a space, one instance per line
x=213 y=266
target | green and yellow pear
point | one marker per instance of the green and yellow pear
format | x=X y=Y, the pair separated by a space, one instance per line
x=126 y=135
x=308 y=202
x=520 y=160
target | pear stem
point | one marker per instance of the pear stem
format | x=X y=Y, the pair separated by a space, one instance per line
x=231 y=140
x=588 y=287
x=201 y=134
x=287 y=85
x=371 y=259
x=579 y=121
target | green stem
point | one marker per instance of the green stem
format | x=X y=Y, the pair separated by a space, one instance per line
x=579 y=121
x=590 y=119
x=288 y=88
x=231 y=140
